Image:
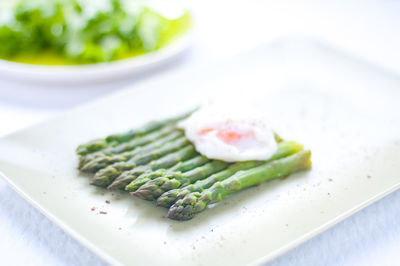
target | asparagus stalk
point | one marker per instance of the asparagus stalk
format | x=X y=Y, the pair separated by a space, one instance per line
x=154 y=188
x=164 y=162
x=146 y=177
x=104 y=161
x=107 y=175
x=179 y=167
x=168 y=198
x=184 y=209
x=93 y=146
x=113 y=140
x=127 y=146
x=190 y=164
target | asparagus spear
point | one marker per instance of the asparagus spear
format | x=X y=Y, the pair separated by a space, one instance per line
x=190 y=164
x=164 y=162
x=105 y=176
x=113 y=140
x=93 y=146
x=179 y=167
x=146 y=177
x=184 y=209
x=104 y=161
x=127 y=146
x=154 y=188
x=168 y=198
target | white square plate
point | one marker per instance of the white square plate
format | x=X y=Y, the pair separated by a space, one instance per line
x=344 y=110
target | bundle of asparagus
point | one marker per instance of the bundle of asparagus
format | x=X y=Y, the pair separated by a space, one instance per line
x=157 y=162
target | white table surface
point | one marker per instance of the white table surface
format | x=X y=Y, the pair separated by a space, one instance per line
x=369 y=29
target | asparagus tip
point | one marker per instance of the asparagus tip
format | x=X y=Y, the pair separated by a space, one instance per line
x=143 y=194
x=87 y=167
x=168 y=198
x=101 y=182
x=184 y=209
x=115 y=185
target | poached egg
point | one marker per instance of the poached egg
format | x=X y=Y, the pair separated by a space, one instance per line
x=230 y=133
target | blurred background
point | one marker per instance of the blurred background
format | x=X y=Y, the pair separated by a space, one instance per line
x=366 y=29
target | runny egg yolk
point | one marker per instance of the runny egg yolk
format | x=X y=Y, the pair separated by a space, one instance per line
x=229 y=135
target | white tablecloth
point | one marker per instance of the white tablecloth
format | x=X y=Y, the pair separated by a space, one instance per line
x=369 y=29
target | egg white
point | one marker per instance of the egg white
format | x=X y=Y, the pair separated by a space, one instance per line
x=205 y=127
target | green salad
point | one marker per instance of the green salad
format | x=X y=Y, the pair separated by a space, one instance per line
x=83 y=32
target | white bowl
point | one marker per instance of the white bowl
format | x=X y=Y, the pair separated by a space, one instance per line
x=94 y=72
